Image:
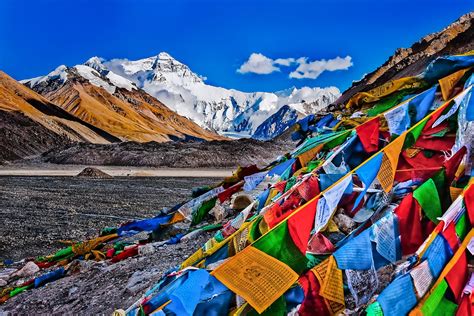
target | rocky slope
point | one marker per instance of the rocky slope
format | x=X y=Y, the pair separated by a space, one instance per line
x=30 y=124
x=457 y=38
x=115 y=105
x=214 y=154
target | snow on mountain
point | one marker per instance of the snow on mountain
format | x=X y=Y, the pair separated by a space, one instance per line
x=91 y=71
x=227 y=111
x=58 y=73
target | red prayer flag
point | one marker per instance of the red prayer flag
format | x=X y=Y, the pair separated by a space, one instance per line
x=458 y=276
x=227 y=193
x=369 y=134
x=309 y=188
x=452 y=164
x=469 y=202
x=409 y=224
x=451 y=237
x=313 y=303
x=301 y=224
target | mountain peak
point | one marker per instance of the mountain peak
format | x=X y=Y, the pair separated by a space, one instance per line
x=96 y=63
x=164 y=56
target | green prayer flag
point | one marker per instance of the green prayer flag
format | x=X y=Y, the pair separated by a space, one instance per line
x=427 y=195
x=338 y=140
x=374 y=309
x=313 y=165
x=446 y=308
x=62 y=254
x=462 y=226
x=431 y=304
x=202 y=211
x=312 y=142
x=290 y=183
x=19 y=290
x=278 y=244
x=254 y=231
x=413 y=135
x=386 y=104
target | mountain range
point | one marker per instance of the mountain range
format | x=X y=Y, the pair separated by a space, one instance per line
x=228 y=112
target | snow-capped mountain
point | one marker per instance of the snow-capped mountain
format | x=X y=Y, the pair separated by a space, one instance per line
x=227 y=111
x=115 y=105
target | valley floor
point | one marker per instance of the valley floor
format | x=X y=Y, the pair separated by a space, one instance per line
x=37 y=212
x=47 y=170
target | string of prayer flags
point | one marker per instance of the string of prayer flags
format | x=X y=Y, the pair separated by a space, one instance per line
x=385 y=90
x=446 y=65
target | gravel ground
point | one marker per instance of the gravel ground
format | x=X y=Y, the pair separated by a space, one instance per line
x=37 y=212
x=100 y=288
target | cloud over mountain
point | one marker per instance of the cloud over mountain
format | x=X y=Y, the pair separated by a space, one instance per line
x=258 y=64
x=305 y=69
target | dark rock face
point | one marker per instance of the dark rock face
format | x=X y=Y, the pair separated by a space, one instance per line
x=215 y=154
x=20 y=137
x=276 y=124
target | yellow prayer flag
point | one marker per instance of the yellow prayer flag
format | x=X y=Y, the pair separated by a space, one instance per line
x=391 y=153
x=320 y=270
x=259 y=278
x=455 y=192
x=195 y=257
x=177 y=217
x=307 y=156
x=332 y=288
x=385 y=90
x=448 y=83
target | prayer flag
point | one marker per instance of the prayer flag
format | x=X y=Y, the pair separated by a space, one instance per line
x=259 y=278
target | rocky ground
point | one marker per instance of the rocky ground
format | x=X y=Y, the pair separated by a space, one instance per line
x=37 y=212
x=100 y=288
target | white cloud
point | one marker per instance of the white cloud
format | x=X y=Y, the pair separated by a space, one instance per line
x=262 y=65
x=284 y=61
x=258 y=64
x=312 y=70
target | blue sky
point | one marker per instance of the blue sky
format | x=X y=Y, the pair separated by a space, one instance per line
x=216 y=37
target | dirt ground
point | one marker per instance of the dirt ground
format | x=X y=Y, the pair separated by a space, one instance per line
x=37 y=212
